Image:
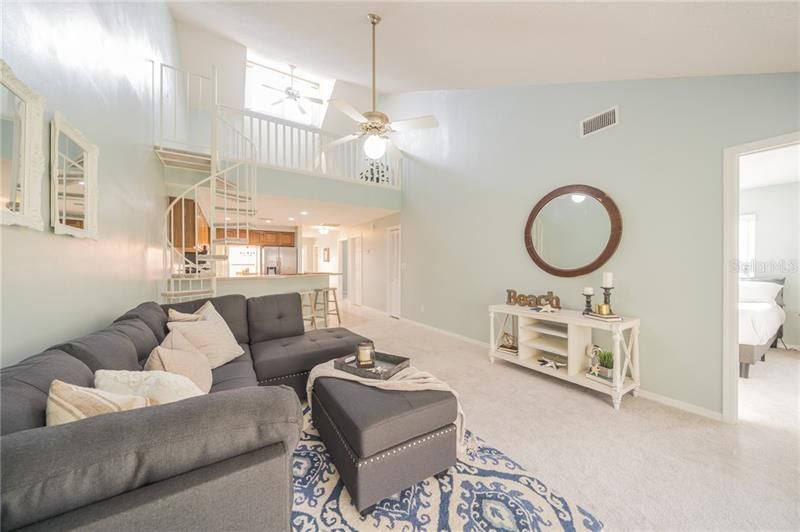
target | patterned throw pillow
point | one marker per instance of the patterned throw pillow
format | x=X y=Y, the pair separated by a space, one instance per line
x=160 y=386
x=68 y=402
x=186 y=361
x=211 y=335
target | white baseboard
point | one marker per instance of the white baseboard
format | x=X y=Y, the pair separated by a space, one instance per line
x=447 y=333
x=668 y=401
x=680 y=405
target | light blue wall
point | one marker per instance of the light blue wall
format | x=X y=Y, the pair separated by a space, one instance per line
x=88 y=61
x=498 y=151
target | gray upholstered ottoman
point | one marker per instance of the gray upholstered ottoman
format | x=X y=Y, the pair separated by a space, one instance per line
x=384 y=441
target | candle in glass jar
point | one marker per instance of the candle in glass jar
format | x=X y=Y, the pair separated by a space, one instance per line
x=588 y=291
x=608 y=280
x=364 y=353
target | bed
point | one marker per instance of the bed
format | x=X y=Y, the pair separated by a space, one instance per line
x=761 y=318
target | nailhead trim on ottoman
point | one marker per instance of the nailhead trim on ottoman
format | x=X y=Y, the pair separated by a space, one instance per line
x=373 y=478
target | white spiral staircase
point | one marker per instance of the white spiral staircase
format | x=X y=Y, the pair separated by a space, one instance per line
x=209 y=216
x=227 y=146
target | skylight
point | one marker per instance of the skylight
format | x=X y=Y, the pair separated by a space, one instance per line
x=283 y=91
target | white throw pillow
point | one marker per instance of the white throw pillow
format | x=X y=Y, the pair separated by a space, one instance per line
x=158 y=386
x=174 y=315
x=68 y=402
x=190 y=363
x=211 y=335
x=758 y=291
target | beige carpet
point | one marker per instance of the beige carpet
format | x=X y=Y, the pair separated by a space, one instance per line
x=644 y=467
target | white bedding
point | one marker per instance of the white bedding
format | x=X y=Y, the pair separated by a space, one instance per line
x=758 y=322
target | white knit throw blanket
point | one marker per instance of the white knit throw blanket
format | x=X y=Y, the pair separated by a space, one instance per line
x=407 y=380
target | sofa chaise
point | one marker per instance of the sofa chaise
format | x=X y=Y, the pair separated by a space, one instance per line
x=217 y=462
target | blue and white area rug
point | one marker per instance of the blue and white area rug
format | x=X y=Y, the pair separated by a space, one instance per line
x=489 y=491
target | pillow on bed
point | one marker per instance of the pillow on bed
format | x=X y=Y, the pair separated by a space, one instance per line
x=758 y=292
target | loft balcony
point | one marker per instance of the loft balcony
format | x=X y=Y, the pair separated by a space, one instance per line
x=190 y=127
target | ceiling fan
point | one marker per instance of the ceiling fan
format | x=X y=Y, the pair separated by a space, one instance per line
x=293 y=94
x=376 y=125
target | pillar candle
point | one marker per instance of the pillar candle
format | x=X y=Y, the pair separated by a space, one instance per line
x=608 y=280
x=588 y=291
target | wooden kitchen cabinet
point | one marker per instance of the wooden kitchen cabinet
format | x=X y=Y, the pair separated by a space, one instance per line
x=189 y=229
x=269 y=238
x=262 y=238
x=286 y=239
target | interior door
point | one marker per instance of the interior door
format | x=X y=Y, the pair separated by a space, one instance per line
x=393 y=296
x=356 y=274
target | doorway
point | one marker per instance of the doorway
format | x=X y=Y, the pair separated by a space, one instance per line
x=393 y=284
x=761 y=296
x=355 y=282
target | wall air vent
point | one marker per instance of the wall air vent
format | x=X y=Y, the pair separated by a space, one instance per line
x=596 y=123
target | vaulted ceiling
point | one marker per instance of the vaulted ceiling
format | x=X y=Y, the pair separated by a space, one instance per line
x=468 y=45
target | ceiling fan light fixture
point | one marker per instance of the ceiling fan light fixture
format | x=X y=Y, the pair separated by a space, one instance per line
x=375 y=147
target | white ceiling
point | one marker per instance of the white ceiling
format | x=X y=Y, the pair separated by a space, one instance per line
x=463 y=45
x=772 y=167
x=279 y=209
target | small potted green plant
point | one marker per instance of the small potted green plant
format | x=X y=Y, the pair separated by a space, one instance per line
x=606 y=361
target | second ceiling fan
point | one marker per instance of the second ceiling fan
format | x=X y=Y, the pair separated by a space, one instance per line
x=376 y=125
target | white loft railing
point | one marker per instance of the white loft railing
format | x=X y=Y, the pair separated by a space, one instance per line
x=185 y=104
x=187 y=109
x=295 y=147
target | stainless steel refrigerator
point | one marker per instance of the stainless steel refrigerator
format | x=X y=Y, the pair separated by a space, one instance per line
x=278 y=260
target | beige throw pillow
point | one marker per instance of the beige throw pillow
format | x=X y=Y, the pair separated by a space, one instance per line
x=190 y=363
x=174 y=315
x=158 y=386
x=68 y=402
x=211 y=335
x=176 y=340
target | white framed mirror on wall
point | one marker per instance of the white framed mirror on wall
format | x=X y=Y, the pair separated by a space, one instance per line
x=73 y=177
x=21 y=153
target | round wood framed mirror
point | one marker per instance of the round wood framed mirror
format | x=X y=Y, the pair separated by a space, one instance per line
x=573 y=230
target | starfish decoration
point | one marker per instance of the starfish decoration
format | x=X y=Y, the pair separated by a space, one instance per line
x=551 y=363
x=595 y=370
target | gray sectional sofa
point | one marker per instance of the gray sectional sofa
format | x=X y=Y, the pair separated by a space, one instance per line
x=216 y=462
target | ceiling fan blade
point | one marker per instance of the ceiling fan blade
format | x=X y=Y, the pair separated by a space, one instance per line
x=276 y=102
x=349 y=110
x=300 y=107
x=271 y=87
x=343 y=140
x=415 y=123
x=317 y=101
x=393 y=151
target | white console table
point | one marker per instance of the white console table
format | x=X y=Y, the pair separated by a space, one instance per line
x=567 y=333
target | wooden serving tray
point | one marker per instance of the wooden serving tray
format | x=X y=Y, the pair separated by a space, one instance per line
x=386 y=366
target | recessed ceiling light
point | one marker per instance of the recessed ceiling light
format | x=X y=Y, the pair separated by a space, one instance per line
x=291 y=219
x=304 y=213
x=267 y=220
x=227 y=219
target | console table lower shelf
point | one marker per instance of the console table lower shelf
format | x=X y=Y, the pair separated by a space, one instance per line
x=563 y=337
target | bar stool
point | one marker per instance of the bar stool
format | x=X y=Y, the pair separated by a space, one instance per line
x=307 y=302
x=319 y=307
x=332 y=305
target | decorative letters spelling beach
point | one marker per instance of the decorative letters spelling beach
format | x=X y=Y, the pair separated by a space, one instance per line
x=532 y=301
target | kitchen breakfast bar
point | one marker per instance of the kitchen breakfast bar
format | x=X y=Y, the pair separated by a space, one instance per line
x=261 y=285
